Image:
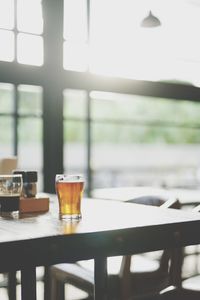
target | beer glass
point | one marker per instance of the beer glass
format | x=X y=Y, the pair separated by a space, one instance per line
x=69 y=189
x=10 y=191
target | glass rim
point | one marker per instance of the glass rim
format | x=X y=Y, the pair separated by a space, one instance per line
x=10 y=175
x=70 y=178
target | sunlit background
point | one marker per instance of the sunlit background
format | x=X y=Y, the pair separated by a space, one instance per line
x=133 y=139
x=115 y=44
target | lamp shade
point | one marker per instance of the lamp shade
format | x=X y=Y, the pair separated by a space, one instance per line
x=150 y=21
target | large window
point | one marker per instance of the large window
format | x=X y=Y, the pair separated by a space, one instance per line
x=144 y=141
x=135 y=140
x=85 y=89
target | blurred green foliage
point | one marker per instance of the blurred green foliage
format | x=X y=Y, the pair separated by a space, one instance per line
x=116 y=118
x=30 y=99
x=29 y=104
x=132 y=119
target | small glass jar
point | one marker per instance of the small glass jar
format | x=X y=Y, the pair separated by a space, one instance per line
x=10 y=192
x=30 y=184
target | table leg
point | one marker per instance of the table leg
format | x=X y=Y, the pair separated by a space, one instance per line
x=46 y=282
x=100 y=278
x=12 y=283
x=28 y=283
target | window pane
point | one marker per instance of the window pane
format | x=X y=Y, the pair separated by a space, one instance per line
x=136 y=108
x=6 y=98
x=6 y=136
x=75 y=104
x=7 y=45
x=29 y=16
x=75 y=20
x=75 y=146
x=75 y=56
x=7 y=14
x=30 y=99
x=30 y=146
x=144 y=141
x=30 y=49
x=144 y=133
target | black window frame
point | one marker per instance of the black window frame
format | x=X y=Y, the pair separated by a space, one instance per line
x=54 y=80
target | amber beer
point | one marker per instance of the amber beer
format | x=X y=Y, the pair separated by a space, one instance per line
x=69 y=189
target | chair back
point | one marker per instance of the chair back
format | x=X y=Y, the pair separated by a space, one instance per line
x=156 y=201
x=196 y=208
x=170 y=260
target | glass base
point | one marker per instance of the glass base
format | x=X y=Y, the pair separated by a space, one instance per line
x=70 y=217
